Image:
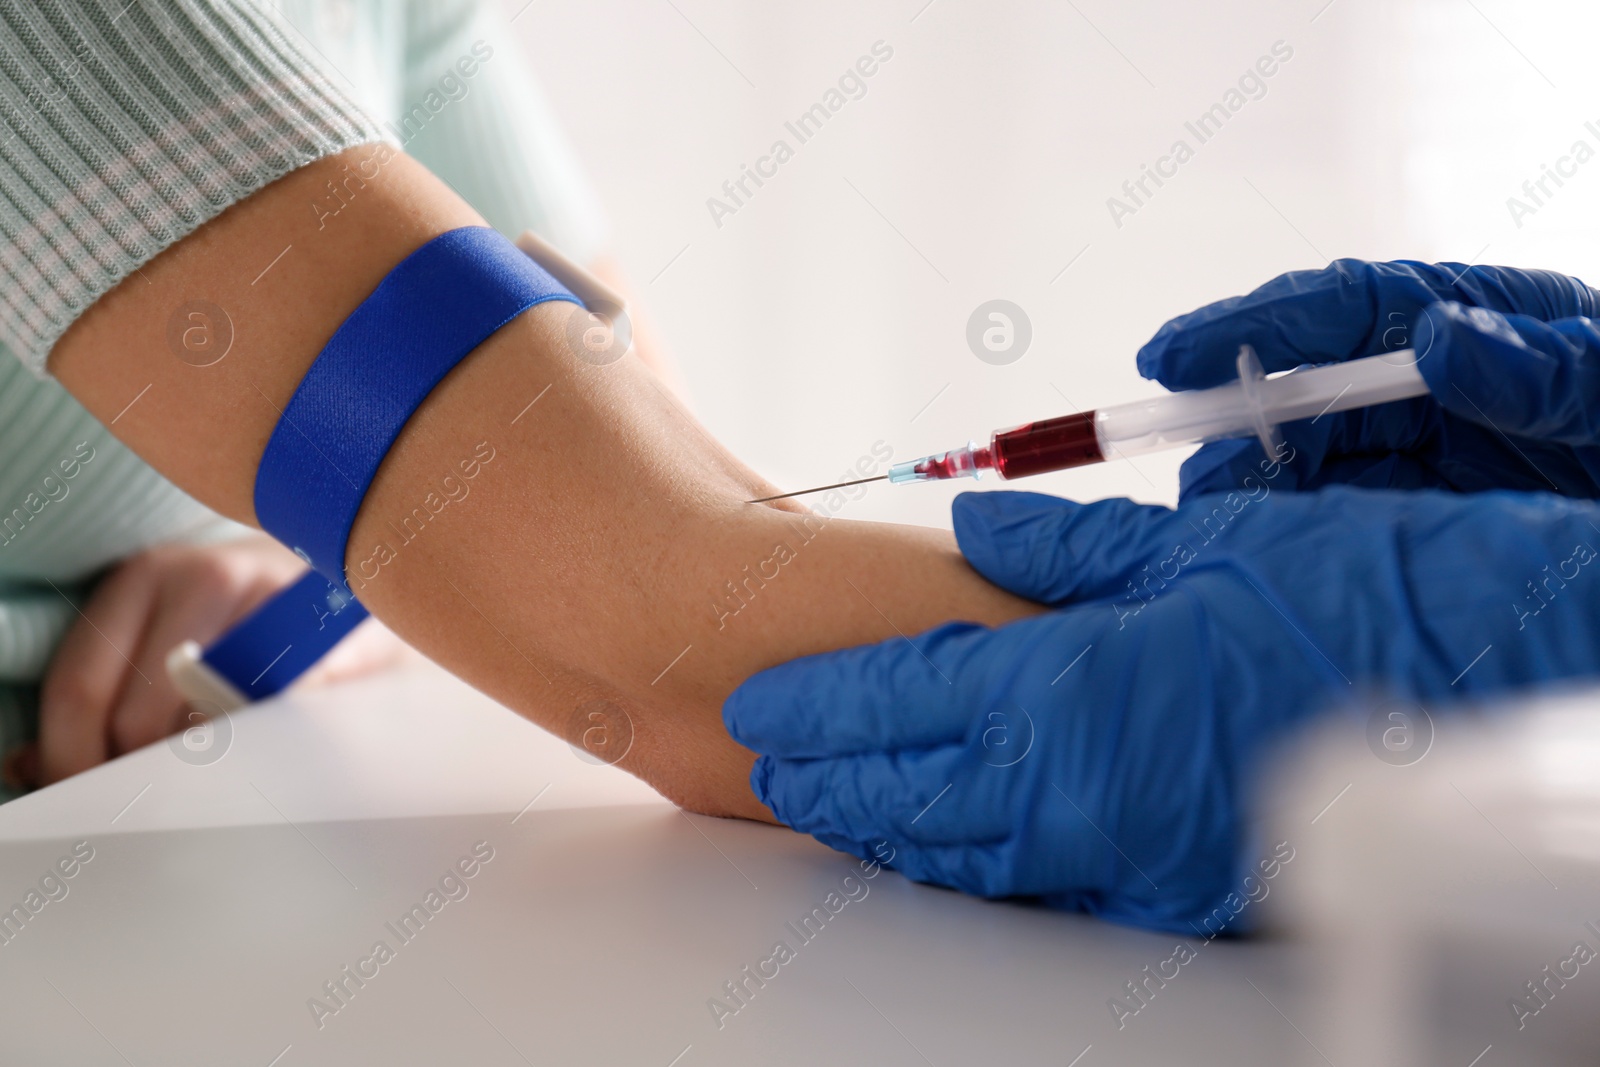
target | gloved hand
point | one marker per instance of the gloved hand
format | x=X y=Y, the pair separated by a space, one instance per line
x=1511 y=358
x=1100 y=756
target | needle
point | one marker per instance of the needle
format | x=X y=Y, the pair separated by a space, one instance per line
x=818 y=489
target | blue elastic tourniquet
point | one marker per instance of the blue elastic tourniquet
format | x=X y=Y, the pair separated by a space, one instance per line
x=281 y=640
x=437 y=305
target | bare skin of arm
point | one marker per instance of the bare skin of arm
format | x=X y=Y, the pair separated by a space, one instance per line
x=587 y=562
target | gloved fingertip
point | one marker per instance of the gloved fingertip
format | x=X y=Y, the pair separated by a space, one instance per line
x=1053 y=550
x=974 y=517
x=732 y=714
x=1446 y=364
x=1513 y=373
x=1151 y=359
x=1447 y=337
x=974 y=507
x=761 y=783
x=749 y=706
x=1002 y=534
x=1003 y=514
x=1429 y=338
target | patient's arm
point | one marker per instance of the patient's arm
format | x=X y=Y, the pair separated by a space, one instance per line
x=589 y=560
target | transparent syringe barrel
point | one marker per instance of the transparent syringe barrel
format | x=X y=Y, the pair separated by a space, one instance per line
x=1200 y=415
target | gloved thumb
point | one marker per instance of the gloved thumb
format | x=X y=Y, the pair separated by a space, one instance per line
x=1512 y=373
x=1057 y=551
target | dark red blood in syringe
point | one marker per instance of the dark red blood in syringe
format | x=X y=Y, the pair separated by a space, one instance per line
x=1051 y=445
x=943 y=466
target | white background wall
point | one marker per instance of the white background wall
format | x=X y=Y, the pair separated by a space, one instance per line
x=808 y=328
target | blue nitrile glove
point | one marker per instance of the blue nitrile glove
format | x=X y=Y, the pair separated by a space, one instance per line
x=1100 y=756
x=1511 y=358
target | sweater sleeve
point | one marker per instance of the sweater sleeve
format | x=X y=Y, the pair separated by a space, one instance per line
x=125 y=126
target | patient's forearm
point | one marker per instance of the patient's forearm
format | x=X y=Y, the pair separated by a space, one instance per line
x=589 y=557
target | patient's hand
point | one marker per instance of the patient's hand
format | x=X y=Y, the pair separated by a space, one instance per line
x=106 y=691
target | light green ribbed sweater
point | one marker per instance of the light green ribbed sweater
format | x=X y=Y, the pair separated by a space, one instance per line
x=123 y=127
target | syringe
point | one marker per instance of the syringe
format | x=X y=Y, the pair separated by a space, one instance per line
x=1252 y=406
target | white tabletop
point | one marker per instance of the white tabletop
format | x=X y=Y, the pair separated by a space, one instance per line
x=221 y=897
